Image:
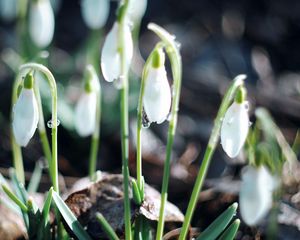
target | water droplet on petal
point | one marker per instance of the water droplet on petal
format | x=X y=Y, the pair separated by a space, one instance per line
x=119 y=82
x=230 y=121
x=246 y=105
x=250 y=124
x=173 y=37
x=51 y=125
x=145 y=121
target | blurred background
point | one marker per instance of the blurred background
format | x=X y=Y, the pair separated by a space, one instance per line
x=219 y=40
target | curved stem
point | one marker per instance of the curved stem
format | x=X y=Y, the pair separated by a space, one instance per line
x=16 y=149
x=212 y=143
x=53 y=166
x=42 y=128
x=95 y=136
x=176 y=65
x=124 y=119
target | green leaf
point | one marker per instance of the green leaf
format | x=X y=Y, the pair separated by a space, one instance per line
x=14 y=198
x=70 y=219
x=106 y=227
x=231 y=231
x=35 y=178
x=18 y=186
x=136 y=193
x=218 y=226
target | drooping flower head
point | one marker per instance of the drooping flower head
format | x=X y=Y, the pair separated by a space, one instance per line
x=41 y=23
x=25 y=113
x=256 y=193
x=95 y=12
x=157 y=96
x=85 y=111
x=110 y=55
x=235 y=125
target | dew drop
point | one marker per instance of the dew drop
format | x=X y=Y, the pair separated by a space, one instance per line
x=173 y=37
x=246 y=105
x=178 y=45
x=119 y=82
x=250 y=124
x=51 y=125
x=230 y=121
x=145 y=121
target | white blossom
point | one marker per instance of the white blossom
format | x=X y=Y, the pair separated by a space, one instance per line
x=41 y=23
x=256 y=194
x=25 y=117
x=95 y=12
x=157 y=96
x=234 y=129
x=85 y=114
x=137 y=9
x=110 y=56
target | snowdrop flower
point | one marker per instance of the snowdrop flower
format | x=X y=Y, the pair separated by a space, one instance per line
x=85 y=111
x=157 y=95
x=41 y=23
x=95 y=12
x=256 y=193
x=235 y=126
x=137 y=9
x=110 y=56
x=25 y=113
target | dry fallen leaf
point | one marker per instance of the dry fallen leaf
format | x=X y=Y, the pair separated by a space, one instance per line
x=106 y=196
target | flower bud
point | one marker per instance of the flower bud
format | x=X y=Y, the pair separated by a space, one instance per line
x=157 y=95
x=110 y=56
x=95 y=12
x=256 y=194
x=234 y=129
x=41 y=23
x=25 y=113
x=85 y=111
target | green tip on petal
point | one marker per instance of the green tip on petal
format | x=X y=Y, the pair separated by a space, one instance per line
x=19 y=89
x=158 y=58
x=88 y=79
x=241 y=95
x=28 y=81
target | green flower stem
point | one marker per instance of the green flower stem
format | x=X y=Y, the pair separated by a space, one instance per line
x=16 y=149
x=212 y=144
x=176 y=65
x=42 y=128
x=124 y=118
x=139 y=122
x=95 y=136
x=53 y=169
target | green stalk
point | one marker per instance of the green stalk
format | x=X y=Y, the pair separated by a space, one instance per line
x=212 y=144
x=16 y=149
x=53 y=166
x=95 y=136
x=42 y=128
x=176 y=65
x=124 y=118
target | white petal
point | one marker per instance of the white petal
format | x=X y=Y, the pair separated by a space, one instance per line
x=25 y=117
x=255 y=194
x=41 y=23
x=95 y=12
x=110 y=57
x=85 y=114
x=235 y=128
x=157 y=96
x=136 y=9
